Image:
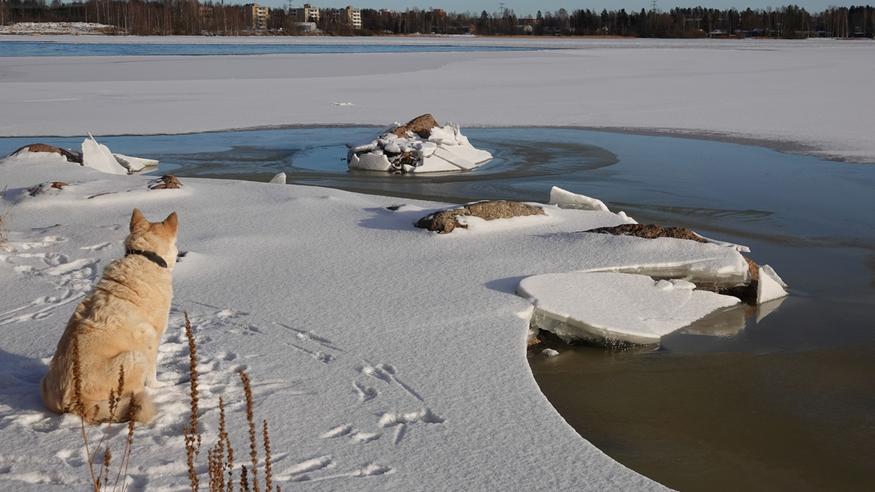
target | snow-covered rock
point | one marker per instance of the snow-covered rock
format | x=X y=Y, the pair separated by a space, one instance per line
x=611 y=308
x=770 y=285
x=418 y=147
x=567 y=199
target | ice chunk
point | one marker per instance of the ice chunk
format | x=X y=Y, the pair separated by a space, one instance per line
x=737 y=247
x=134 y=164
x=279 y=178
x=567 y=199
x=548 y=352
x=610 y=308
x=98 y=156
x=371 y=161
x=770 y=285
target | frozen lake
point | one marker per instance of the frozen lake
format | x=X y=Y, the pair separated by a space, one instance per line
x=56 y=48
x=787 y=397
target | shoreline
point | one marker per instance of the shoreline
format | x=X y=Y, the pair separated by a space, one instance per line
x=782 y=146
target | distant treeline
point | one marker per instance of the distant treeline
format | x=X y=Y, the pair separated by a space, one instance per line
x=191 y=17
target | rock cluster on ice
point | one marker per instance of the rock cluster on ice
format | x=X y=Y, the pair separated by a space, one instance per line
x=420 y=146
x=93 y=154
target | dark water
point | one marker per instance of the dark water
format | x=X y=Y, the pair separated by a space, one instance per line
x=752 y=399
x=51 y=48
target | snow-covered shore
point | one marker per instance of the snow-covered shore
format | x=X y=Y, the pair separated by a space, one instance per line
x=807 y=95
x=385 y=357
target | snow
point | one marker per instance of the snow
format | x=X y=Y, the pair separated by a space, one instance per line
x=612 y=308
x=57 y=28
x=567 y=199
x=638 y=85
x=446 y=149
x=375 y=370
x=770 y=286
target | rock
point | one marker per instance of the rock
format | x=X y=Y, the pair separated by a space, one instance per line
x=166 y=182
x=46 y=187
x=421 y=125
x=548 y=352
x=51 y=149
x=445 y=221
x=650 y=231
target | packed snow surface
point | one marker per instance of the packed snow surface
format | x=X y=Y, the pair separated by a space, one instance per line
x=735 y=88
x=609 y=308
x=376 y=370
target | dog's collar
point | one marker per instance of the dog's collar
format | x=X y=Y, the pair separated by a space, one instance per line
x=149 y=255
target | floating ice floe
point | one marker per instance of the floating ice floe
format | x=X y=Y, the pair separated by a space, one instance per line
x=420 y=146
x=616 y=308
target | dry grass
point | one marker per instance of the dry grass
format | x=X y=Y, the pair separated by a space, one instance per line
x=220 y=457
x=192 y=435
x=250 y=420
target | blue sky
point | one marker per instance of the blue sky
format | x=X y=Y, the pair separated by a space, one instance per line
x=531 y=6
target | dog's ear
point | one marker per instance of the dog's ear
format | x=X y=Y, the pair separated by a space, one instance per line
x=172 y=221
x=138 y=221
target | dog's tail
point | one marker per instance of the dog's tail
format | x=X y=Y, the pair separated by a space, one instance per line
x=138 y=406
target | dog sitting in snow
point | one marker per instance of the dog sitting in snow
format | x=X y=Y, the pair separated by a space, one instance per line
x=118 y=326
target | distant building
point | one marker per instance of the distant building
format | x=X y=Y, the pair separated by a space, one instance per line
x=354 y=17
x=307 y=13
x=255 y=16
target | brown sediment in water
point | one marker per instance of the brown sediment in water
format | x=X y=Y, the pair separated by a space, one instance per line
x=728 y=421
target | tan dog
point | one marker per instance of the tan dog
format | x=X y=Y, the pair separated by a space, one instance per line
x=118 y=325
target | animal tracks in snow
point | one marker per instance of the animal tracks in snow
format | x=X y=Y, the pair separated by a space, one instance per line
x=70 y=279
x=388 y=374
x=378 y=398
